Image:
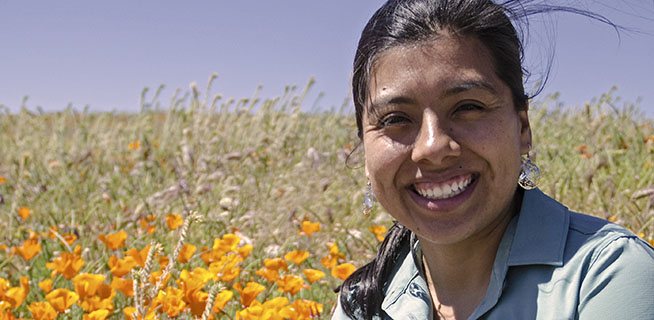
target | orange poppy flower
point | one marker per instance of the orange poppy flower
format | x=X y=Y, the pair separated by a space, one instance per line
x=30 y=248
x=275 y=264
x=42 y=310
x=147 y=227
x=378 y=231
x=222 y=298
x=245 y=250
x=297 y=256
x=115 y=240
x=291 y=284
x=139 y=256
x=313 y=275
x=69 y=237
x=171 y=301
x=68 y=264
x=3 y=180
x=121 y=267
x=134 y=145
x=87 y=284
x=249 y=293
x=329 y=261
x=126 y=286
x=16 y=295
x=309 y=227
x=174 y=221
x=186 y=253
x=61 y=299
x=226 y=268
x=129 y=311
x=270 y=275
x=303 y=309
x=343 y=270
x=24 y=212
x=101 y=300
x=46 y=285
x=101 y=314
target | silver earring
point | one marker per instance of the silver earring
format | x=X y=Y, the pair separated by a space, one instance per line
x=529 y=174
x=368 y=200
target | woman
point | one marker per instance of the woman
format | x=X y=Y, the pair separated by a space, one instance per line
x=442 y=114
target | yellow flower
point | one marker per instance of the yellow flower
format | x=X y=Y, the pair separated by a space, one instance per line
x=171 y=301
x=378 y=231
x=115 y=240
x=343 y=270
x=101 y=300
x=297 y=256
x=3 y=180
x=329 y=261
x=139 y=256
x=221 y=300
x=61 y=299
x=68 y=264
x=302 y=309
x=101 y=314
x=226 y=268
x=313 y=275
x=42 y=311
x=174 y=221
x=249 y=293
x=309 y=227
x=245 y=250
x=291 y=284
x=24 y=212
x=269 y=310
x=123 y=285
x=186 y=253
x=30 y=248
x=87 y=284
x=46 y=285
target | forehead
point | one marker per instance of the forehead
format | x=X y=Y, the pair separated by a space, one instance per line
x=438 y=65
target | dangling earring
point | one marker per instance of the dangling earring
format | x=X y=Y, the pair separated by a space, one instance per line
x=529 y=174
x=368 y=200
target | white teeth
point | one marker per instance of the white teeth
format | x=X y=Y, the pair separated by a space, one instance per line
x=445 y=191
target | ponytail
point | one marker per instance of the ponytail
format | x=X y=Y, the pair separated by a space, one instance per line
x=361 y=294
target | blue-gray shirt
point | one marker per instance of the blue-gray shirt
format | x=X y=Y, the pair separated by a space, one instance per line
x=552 y=263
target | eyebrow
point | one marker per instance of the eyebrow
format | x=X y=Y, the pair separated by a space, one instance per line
x=456 y=89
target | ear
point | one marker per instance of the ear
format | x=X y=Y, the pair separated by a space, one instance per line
x=525 y=131
x=365 y=167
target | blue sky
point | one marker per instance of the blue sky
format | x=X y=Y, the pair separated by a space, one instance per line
x=103 y=53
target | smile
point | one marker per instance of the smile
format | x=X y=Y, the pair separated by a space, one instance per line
x=444 y=190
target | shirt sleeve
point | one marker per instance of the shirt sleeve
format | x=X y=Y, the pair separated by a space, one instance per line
x=619 y=283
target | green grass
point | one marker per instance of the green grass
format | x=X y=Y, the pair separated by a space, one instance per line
x=278 y=165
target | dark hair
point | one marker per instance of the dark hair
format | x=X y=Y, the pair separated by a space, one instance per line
x=409 y=22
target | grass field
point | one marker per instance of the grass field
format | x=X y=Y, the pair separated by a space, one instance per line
x=247 y=204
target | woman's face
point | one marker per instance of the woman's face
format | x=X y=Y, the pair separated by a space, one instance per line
x=443 y=140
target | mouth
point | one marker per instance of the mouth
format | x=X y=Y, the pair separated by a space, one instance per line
x=445 y=190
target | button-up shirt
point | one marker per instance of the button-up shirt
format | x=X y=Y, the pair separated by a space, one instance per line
x=551 y=263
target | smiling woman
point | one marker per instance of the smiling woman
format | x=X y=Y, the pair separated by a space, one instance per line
x=443 y=117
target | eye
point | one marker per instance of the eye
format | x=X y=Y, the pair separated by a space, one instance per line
x=391 y=120
x=465 y=107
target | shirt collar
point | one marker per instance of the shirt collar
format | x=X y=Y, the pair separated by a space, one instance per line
x=541 y=231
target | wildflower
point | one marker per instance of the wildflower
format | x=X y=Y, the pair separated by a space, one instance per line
x=191 y=284
x=270 y=275
x=302 y=309
x=329 y=261
x=121 y=267
x=62 y=299
x=115 y=240
x=186 y=253
x=309 y=227
x=221 y=300
x=46 y=285
x=170 y=301
x=245 y=250
x=69 y=238
x=313 y=275
x=16 y=295
x=297 y=256
x=42 y=310
x=24 y=212
x=130 y=311
x=249 y=293
x=139 y=256
x=123 y=285
x=226 y=268
x=3 y=180
x=275 y=264
x=30 y=248
x=174 y=221
x=343 y=270
x=378 y=231
x=147 y=227
x=101 y=300
x=87 y=284
x=270 y=309
x=291 y=284
x=135 y=145
x=68 y=264
x=101 y=314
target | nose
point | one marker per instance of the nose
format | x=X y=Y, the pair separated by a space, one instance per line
x=434 y=143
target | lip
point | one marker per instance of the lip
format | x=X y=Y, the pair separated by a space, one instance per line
x=443 y=205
